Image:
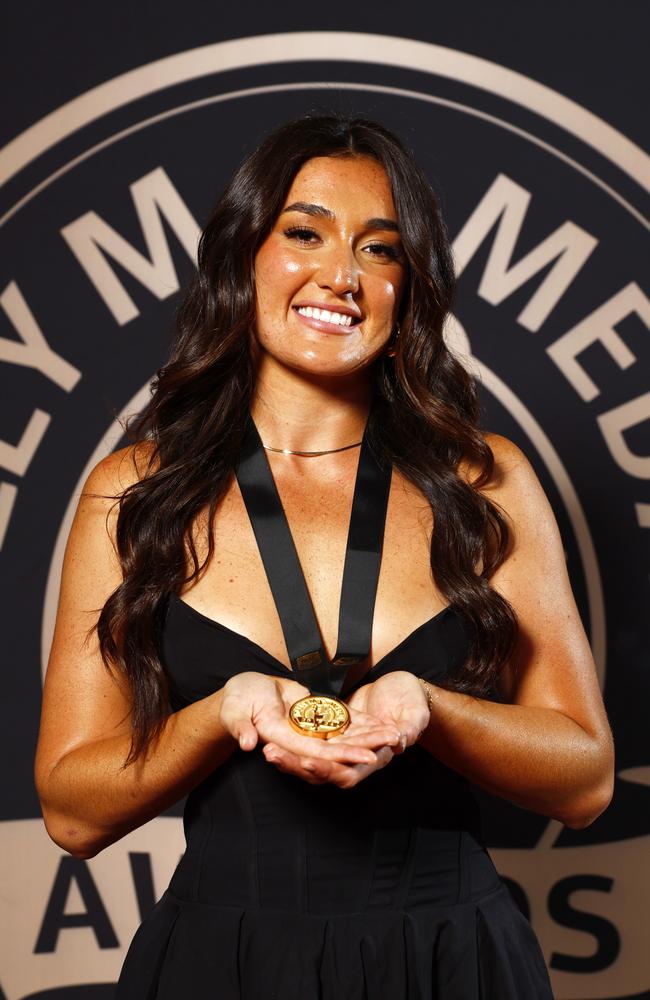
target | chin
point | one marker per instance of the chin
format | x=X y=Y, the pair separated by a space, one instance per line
x=329 y=367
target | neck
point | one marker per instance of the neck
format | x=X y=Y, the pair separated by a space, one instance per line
x=308 y=414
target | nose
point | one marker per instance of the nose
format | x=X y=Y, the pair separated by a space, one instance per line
x=339 y=271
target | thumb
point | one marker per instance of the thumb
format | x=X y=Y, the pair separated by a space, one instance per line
x=245 y=733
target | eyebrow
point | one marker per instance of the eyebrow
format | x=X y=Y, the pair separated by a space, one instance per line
x=319 y=211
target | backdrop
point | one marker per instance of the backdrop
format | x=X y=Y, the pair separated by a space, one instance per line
x=118 y=135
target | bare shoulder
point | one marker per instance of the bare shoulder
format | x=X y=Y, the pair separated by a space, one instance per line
x=119 y=470
x=507 y=457
x=512 y=476
x=98 y=506
x=506 y=453
x=514 y=488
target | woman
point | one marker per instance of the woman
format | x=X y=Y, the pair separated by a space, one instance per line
x=310 y=387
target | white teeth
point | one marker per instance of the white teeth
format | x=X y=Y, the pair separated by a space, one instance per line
x=325 y=315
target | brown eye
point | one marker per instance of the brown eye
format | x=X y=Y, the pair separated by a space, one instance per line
x=301 y=234
x=384 y=250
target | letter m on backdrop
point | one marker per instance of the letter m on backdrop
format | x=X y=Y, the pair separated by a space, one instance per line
x=506 y=203
x=91 y=240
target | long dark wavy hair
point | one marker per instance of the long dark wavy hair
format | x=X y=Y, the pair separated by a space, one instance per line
x=424 y=417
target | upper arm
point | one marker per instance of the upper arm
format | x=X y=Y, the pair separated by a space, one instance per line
x=552 y=665
x=82 y=700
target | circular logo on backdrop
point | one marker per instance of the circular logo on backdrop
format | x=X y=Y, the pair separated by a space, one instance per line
x=103 y=203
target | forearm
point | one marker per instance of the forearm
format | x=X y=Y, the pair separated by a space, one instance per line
x=90 y=800
x=537 y=758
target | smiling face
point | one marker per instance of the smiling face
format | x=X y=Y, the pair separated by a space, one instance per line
x=330 y=275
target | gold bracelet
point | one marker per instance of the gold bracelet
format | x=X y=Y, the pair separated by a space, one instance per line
x=427 y=690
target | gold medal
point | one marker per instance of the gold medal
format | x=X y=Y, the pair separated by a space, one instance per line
x=319 y=715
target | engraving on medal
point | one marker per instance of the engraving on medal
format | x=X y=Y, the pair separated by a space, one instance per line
x=319 y=715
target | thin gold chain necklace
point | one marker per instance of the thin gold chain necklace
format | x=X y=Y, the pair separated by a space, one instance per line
x=310 y=454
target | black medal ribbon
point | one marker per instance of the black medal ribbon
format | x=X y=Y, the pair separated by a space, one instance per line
x=286 y=579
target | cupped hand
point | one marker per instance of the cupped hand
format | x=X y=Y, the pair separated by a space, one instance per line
x=398 y=698
x=255 y=707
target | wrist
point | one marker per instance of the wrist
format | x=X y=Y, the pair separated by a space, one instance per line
x=428 y=691
x=220 y=727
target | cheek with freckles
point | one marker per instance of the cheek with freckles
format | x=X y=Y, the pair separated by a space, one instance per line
x=278 y=276
x=381 y=304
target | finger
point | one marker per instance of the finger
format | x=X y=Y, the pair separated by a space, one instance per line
x=384 y=756
x=315 y=772
x=348 y=777
x=335 y=773
x=409 y=723
x=245 y=733
x=384 y=728
x=318 y=771
x=350 y=748
x=411 y=726
x=372 y=738
x=326 y=750
x=413 y=734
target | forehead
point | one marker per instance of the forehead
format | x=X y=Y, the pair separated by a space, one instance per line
x=357 y=184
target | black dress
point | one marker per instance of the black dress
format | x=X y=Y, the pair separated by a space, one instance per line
x=291 y=891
